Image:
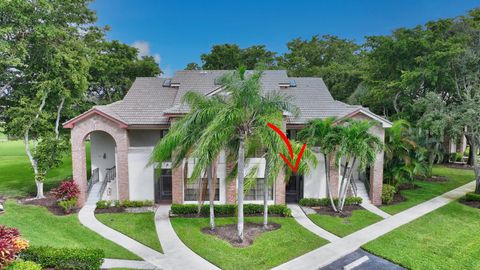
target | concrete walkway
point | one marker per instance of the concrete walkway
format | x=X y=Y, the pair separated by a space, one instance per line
x=177 y=253
x=114 y=263
x=303 y=220
x=366 y=202
x=331 y=252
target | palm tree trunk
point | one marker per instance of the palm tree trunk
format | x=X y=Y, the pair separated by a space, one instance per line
x=342 y=183
x=265 y=193
x=211 y=196
x=349 y=177
x=240 y=175
x=327 y=177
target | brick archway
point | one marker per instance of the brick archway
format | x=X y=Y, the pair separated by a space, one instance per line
x=80 y=130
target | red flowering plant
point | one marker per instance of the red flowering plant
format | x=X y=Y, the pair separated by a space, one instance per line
x=67 y=190
x=67 y=193
x=11 y=244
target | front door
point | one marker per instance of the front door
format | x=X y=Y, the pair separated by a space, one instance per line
x=163 y=186
x=294 y=189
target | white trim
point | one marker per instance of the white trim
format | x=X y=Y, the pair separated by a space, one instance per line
x=385 y=122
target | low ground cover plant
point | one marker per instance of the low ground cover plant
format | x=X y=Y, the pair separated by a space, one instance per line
x=388 y=192
x=315 y=202
x=472 y=196
x=24 y=265
x=65 y=258
x=228 y=210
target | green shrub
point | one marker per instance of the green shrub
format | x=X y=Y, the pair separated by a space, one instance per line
x=24 y=265
x=102 y=204
x=65 y=258
x=312 y=202
x=128 y=203
x=472 y=196
x=388 y=191
x=229 y=209
x=68 y=205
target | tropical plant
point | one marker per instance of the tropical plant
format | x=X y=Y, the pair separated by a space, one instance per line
x=11 y=244
x=182 y=139
x=356 y=146
x=323 y=134
x=241 y=120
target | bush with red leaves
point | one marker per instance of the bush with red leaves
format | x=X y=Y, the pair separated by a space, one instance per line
x=11 y=244
x=67 y=190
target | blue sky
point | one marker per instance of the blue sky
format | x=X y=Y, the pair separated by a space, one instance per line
x=178 y=32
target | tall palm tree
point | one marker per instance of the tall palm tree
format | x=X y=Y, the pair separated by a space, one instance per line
x=357 y=145
x=241 y=119
x=182 y=137
x=323 y=134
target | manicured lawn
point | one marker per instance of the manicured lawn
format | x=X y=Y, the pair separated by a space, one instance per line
x=16 y=177
x=347 y=225
x=42 y=228
x=447 y=239
x=139 y=226
x=428 y=190
x=269 y=250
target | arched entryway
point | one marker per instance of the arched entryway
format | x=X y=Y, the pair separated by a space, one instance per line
x=108 y=132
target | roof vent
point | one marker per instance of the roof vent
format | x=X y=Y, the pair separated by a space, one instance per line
x=293 y=83
x=167 y=83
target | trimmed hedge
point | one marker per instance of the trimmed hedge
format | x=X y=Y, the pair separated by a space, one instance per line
x=472 y=196
x=65 y=258
x=24 y=265
x=228 y=209
x=102 y=204
x=326 y=201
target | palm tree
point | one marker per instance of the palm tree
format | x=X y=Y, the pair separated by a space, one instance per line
x=242 y=118
x=324 y=135
x=181 y=139
x=357 y=144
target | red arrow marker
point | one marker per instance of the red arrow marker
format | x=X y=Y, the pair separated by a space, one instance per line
x=290 y=150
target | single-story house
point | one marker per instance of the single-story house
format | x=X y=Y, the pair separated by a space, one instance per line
x=123 y=134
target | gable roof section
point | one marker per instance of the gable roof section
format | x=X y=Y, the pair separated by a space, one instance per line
x=150 y=103
x=94 y=111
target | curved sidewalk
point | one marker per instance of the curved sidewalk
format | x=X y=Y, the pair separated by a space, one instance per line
x=303 y=220
x=176 y=252
x=331 y=252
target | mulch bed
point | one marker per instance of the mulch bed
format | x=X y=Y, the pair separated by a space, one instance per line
x=397 y=198
x=110 y=210
x=250 y=232
x=218 y=215
x=327 y=210
x=433 y=178
x=474 y=204
x=408 y=186
x=49 y=202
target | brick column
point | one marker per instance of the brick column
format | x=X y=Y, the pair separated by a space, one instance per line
x=123 y=143
x=376 y=171
x=334 y=177
x=79 y=169
x=177 y=183
x=280 y=184
x=231 y=186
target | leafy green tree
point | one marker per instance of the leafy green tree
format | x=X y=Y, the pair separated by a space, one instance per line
x=231 y=56
x=334 y=59
x=114 y=68
x=192 y=66
x=243 y=117
x=46 y=70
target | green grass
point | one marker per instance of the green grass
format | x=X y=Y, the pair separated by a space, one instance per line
x=16 y=177
x=429 y=190
x=347 y=225
x=268 y=250
x=139 y=226
x=447 y=238
x=42 y=228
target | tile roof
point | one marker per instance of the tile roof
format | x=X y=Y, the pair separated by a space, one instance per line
x=148 y=102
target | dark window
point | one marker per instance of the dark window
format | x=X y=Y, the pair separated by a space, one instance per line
x=192 y=190
x=256 y=192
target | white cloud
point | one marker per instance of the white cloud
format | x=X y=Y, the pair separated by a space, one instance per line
x=143 y=48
